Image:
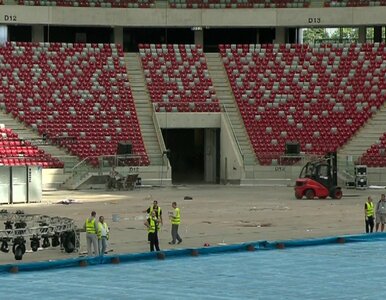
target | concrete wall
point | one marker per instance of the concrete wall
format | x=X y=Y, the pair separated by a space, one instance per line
x=52 y=178
x=189 y=120
x=231 y=165
x=163 y=17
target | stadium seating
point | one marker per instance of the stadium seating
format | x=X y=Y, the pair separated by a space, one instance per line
x=316 y=95
x=16 y=152
x=91 y=3
x=375 y=156
x=353 y=3
x=78 y=95
x=239 y=3
x=178 y=78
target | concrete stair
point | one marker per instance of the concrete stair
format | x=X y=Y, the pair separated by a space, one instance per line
x=348 y=155
x=367 y=135
x=144 y=107
x=54 y=178
x=225 y=94
x=29 y=134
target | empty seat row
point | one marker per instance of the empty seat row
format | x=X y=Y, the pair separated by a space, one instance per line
x=87 y=111
x=17 y=152
x=375 y=155
x=91 y=3
x=178 y=78
x=353 y=3
x=318 y=95
x=239 y=3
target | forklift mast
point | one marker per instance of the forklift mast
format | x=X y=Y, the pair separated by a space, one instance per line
x=333 y=161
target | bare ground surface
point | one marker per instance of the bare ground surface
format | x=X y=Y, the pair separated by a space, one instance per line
x=217 y=214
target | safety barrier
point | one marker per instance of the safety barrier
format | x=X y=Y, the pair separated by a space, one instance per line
x=134 y=257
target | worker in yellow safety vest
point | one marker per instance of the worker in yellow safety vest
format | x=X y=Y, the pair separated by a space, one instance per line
x=103 y=235
x=158 y=214
x=175 y=219
x=152 y=224
x=91 y=227
x=369 y=215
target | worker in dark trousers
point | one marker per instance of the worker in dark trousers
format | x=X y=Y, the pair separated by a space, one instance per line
x=369 y=215
x=158 y=214
x=152 y=224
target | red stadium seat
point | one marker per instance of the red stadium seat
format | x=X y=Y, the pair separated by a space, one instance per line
x=15 y=152
x=84 y=101
x=319 y=96
x=178 y=78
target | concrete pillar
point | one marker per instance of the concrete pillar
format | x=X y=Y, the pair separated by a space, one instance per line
x=210 y=155
x=37 y=33
x=280 y=35
x=362 y=34
x=377 y=34
x=300 y=35
x=118 y=35
x=199 y=37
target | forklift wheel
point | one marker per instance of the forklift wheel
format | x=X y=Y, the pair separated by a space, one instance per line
x=298 y=196
x=336 y=194
x=310 y=194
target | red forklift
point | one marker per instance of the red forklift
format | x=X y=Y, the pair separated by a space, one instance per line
x=318 y=179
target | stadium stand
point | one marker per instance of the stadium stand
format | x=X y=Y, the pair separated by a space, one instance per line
x=238 y=3
x=353 y=3
x=16 y=152
x=178 y=78
x=316 y=95
x=375 y=156
x=91 y=3
x=78 y=95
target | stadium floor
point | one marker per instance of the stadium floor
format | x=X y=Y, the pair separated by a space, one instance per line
x=217 y=214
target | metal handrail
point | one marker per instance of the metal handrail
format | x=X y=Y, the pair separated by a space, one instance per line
x=233 y=132
x=116 y=158
x=159 y=137
x=78 y=164
x=76 y=173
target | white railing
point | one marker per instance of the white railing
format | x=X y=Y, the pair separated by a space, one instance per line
x=164 y=151
x=240 y=151
x=104 y=163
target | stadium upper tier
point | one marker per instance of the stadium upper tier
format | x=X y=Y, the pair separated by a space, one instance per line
x=91 y=3
x=200 y=3
x=353 y=3
x=318 y=96
x=239 y=3
x=76 y=94
x=16 y=152
x=178 y=78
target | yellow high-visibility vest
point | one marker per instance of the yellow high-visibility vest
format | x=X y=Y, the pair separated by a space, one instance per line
x=100 y=227
x=158 y=210
x=151 y=228
x=90 y=226
x=176 y=219
x=369 y=209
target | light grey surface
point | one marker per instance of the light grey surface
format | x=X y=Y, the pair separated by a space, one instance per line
x=34 y=184
x=216 y=214
x=4 y=185
x=19 y=185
